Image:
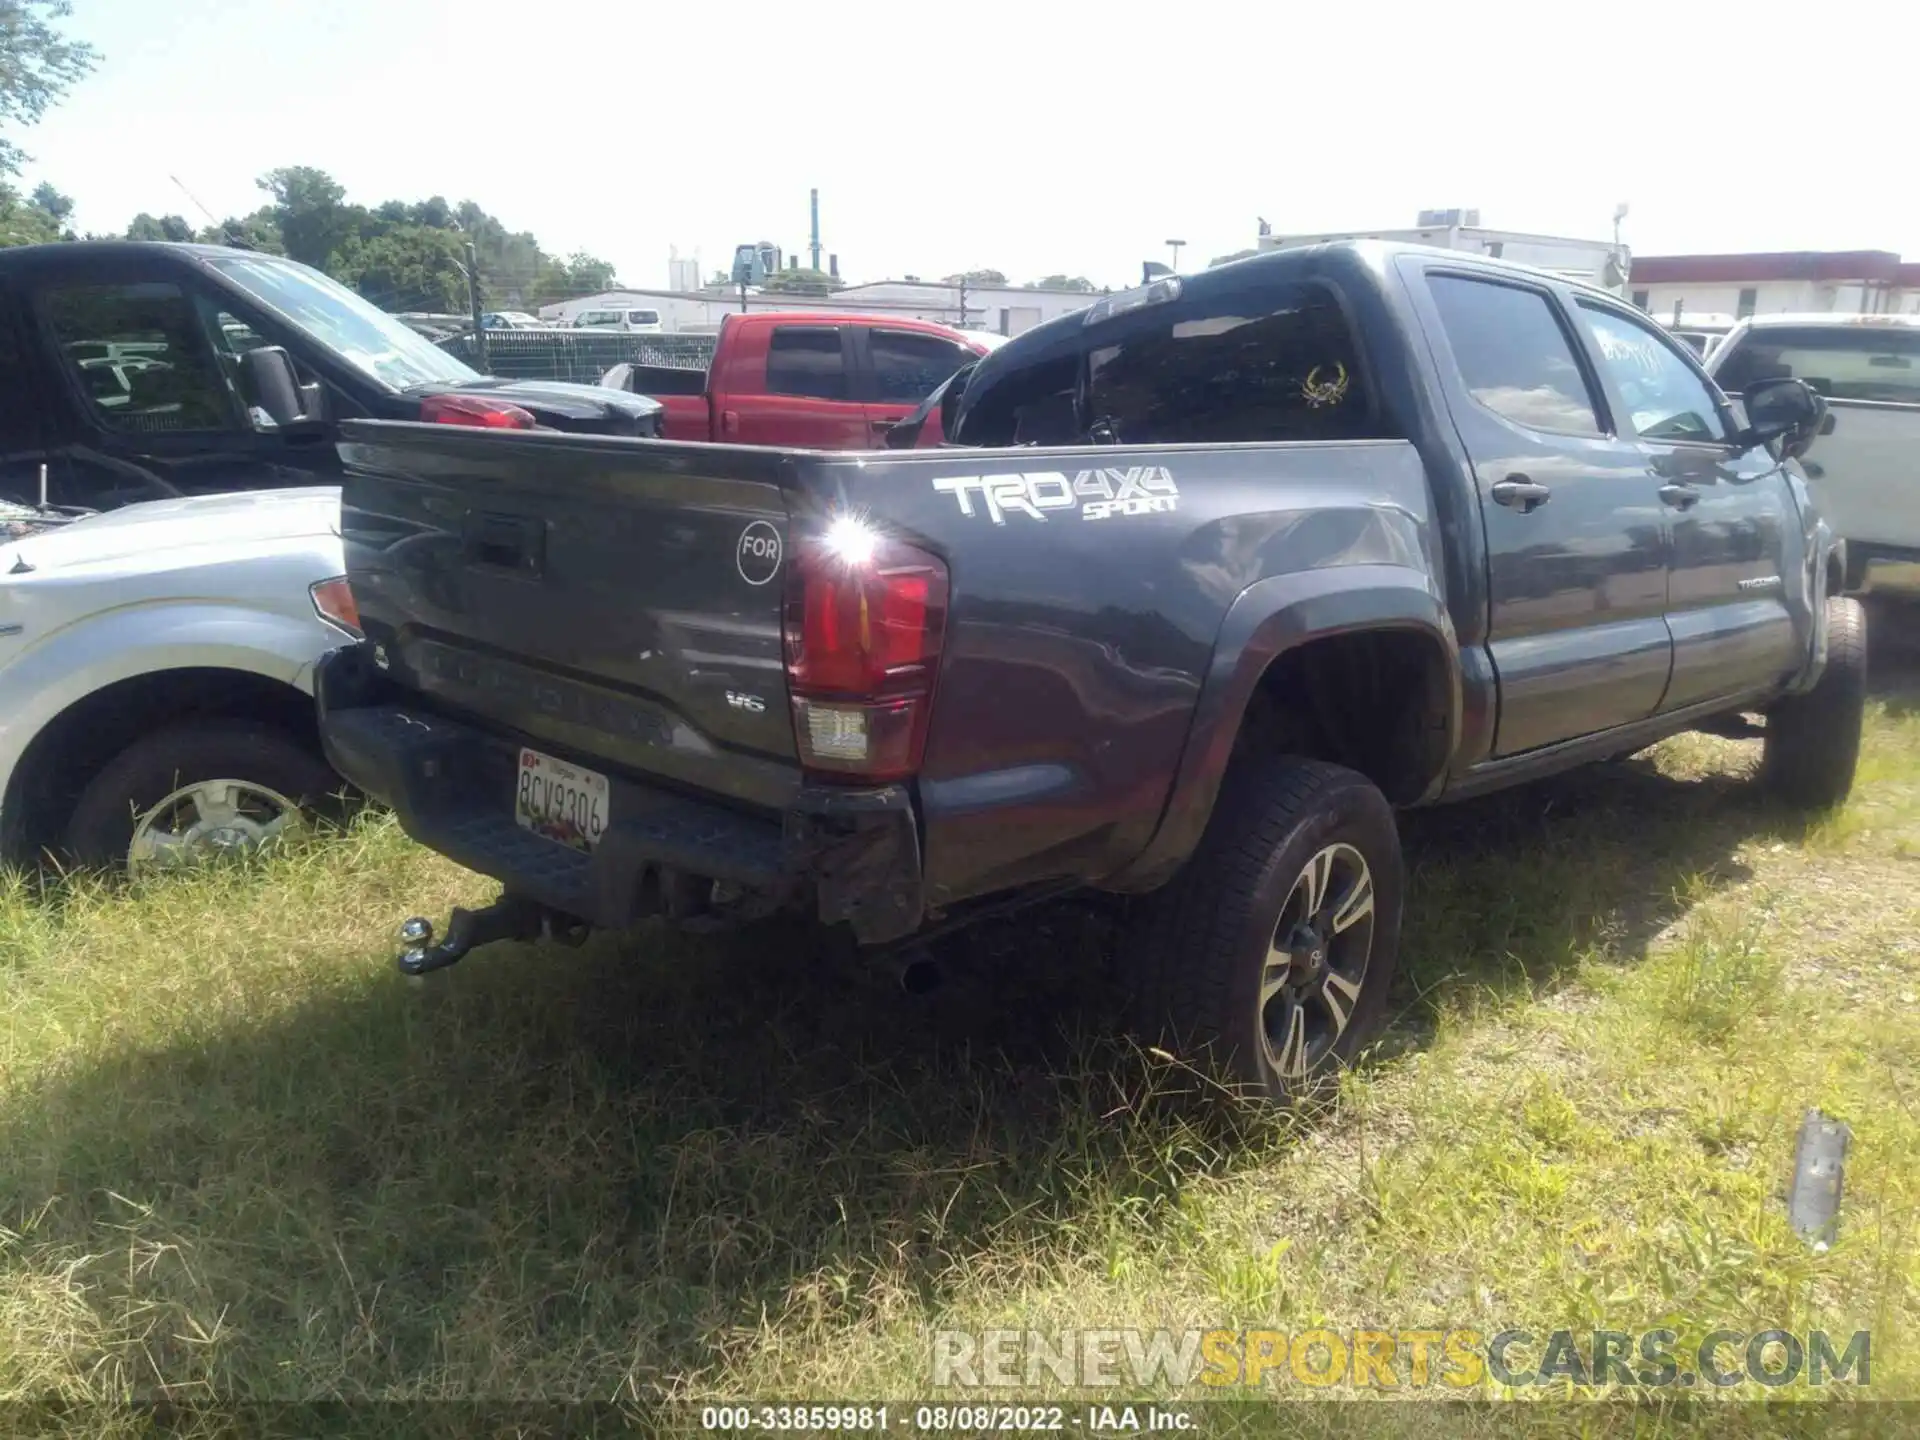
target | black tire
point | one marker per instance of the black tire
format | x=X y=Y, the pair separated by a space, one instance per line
x=1197 y=962
x=1812 y=745
x=101 y=827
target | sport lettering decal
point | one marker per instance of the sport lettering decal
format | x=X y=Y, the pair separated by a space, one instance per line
x=1094 y=494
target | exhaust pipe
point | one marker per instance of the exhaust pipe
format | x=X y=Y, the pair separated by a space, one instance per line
x=919 y=973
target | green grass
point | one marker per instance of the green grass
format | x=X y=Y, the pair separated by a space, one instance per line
x=240 y=1157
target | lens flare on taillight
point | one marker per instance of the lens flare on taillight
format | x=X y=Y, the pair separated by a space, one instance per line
x=865 y=620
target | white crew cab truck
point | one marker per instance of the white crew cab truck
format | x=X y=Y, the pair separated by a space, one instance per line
x=156 y=664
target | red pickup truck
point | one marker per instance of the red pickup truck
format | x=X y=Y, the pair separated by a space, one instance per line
x=816 y=381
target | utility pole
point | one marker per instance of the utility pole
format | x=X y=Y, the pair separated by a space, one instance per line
x=473 y=299
x=963 y=302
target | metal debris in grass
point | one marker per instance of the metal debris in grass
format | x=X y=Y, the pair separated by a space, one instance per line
x=1813 y=1199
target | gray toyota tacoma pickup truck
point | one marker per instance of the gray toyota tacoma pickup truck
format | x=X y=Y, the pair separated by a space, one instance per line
x=1209 y=579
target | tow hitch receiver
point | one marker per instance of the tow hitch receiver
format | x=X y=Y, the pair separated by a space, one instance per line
x=511 y=917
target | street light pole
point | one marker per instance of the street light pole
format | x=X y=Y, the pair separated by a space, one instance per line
x=1174 y=245
x=473 y=299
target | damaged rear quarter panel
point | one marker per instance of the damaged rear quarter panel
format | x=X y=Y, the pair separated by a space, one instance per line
x=1087 y=601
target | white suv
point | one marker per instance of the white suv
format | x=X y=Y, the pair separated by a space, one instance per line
x=156 y=675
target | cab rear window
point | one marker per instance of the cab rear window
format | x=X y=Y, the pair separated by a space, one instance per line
x=1248 y=364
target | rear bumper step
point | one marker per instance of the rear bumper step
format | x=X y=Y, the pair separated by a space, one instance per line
x=850 y=855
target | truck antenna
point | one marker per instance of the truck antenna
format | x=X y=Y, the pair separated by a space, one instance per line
x=225 y=229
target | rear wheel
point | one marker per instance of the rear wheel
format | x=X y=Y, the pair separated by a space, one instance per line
x=1270 y=954
x=193 y=793
x=1813 y=740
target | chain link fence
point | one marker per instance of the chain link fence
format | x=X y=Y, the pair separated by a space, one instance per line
x=581 y=356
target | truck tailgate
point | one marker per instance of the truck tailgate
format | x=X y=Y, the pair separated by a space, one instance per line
x=613 y=603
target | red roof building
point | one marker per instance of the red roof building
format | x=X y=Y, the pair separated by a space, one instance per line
x=1817 y=281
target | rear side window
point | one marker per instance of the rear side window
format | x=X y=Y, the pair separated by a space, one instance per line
x=1266 y=364
x=806 y=362
x=142 y=357
x=908 y=367
x=1029 y=405
x=1866 y=362
x=1513 y=354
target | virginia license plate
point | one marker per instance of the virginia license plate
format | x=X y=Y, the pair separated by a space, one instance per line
x=563 y=802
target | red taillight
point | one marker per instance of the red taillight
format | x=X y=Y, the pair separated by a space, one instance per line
x=474 y=410
x=865 y=617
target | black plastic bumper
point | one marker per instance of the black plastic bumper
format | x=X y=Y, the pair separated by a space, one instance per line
x=851 y=855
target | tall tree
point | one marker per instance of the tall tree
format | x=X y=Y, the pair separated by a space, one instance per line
x=411 y=267
x=310 y=208
x=22 y=222
x=37 y=66
x=164 y=227
x=1061 y=282
x=976 y=277
x=59 y=206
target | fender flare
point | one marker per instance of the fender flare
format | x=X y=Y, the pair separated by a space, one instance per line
x=1827 y=551
x=1269 y=618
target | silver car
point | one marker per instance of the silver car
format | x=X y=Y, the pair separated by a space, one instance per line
x=156 y=675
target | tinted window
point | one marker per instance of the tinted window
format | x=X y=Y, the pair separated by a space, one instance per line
x=1513 y=355
x=1022 y=405
x=908 y=367
x=19 y=420
x=806 y=362
x=1259 y=364
x=1865 y=362
x=1666 y=399
x=141 y=356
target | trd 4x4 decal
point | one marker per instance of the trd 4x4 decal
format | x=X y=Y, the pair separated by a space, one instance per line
x=1096 y=494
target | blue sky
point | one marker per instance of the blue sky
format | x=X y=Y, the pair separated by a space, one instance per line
x=1016 y=136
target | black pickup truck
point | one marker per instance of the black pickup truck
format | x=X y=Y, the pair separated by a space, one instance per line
x=143 y=371
x=1210 y=578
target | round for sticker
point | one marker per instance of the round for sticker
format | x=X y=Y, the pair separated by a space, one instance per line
x=758 y=554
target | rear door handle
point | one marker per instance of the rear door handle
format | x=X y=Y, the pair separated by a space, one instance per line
x=1681 y=497
x=1521 y=493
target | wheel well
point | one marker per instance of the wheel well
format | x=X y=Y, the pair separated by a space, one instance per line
x=1376 y=701
x=71 y=747
x=1836 y=575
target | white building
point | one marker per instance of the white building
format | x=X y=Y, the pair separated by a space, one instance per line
x=1849 y=282
x=1004 y=310
x=1594 y=262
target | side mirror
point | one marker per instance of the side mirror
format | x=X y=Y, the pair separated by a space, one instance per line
x=1782 y=409
x=277 y=389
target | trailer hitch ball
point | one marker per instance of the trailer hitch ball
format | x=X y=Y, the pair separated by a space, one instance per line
x=509 y=918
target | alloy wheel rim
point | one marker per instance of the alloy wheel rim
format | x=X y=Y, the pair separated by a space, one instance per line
x=207 y=820
x=1316 y=962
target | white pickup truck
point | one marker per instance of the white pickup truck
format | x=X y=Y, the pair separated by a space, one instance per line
x=156 y=674
x=1864 y=470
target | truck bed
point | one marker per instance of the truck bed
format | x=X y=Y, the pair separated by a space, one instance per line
x=617 y=605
